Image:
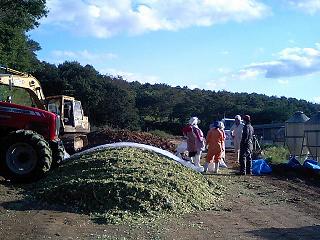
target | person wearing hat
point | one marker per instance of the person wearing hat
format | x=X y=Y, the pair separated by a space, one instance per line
x=221 y=128
x=246 y=147
x=195 y=140
x=236 y=133
x=214 y=140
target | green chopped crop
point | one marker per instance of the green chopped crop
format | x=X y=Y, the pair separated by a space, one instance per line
x=128 y=184
x=276 y=154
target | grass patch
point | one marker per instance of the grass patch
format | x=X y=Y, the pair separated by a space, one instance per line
x=276 y=154
x=127 y=185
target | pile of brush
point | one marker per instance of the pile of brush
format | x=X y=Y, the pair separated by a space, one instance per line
x=111 y=136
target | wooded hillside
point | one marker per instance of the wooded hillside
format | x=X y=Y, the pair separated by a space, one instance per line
x=112 y=101
x=115 y=102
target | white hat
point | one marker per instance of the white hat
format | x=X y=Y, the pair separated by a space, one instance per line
x=221 y=125
x=194 y=121
x=238 y=117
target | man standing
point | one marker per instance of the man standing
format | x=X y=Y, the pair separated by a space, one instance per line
x=236 y=133
x=246 y=147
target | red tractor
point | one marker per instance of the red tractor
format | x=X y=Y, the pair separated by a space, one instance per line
x=29 y=142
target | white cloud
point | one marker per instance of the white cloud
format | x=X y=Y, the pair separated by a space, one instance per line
x=291 y=62
x=83 y=56
x=259 y=51
x=224 y=70
x=225 y=52
x=193 y=86
x=283 y=82
x=308 y=6
x=104 y=19
x=217 y=84
x=98 y=59
x=316 y=99
x=292 y=41
x=248 y=73
x=131 y=77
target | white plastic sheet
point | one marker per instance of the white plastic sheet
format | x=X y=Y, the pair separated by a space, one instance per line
x=65 y=155
x=144 y=147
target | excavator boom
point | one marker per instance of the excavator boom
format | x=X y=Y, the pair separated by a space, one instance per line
x=14 y=78
x=74 y=125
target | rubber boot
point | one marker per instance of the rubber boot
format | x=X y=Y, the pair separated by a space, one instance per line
x=205 y=167
x=212 y=167
x=216 y=167
x=197 y=160
x=238 y=157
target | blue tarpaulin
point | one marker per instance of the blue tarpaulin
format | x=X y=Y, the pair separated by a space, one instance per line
x=260 y=167
x=311 y=164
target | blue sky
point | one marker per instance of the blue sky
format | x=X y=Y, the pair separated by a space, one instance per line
x=264 y=46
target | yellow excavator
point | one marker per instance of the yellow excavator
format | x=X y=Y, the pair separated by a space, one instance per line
x=74 y=125
x=24 y=89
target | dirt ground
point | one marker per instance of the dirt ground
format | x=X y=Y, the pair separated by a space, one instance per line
x=254 y=207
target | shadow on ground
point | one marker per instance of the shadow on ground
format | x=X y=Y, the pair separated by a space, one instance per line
x=303 y=233
x=308 y=176
x=24 y=200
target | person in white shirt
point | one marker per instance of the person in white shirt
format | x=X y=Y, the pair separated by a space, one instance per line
x=236 y=133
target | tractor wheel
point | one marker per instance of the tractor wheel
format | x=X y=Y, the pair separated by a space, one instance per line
x=57 y=154
x=25 y=156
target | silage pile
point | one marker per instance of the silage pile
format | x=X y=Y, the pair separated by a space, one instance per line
x=127 y=184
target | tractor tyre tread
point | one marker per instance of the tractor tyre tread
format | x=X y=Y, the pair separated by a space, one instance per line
x=41 y=147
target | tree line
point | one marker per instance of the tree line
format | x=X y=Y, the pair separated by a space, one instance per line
x=110 y=100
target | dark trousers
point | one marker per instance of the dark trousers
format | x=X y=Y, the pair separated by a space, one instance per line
x=245 y=161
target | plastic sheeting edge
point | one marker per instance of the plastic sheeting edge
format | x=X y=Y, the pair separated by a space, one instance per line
x=141 y=146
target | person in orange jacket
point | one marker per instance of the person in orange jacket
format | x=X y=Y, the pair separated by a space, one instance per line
x=215 y=140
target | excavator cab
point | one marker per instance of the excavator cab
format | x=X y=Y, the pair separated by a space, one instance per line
x=74 y=125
